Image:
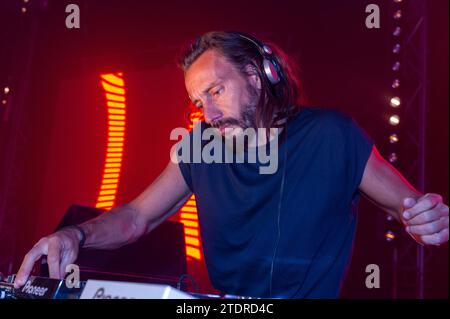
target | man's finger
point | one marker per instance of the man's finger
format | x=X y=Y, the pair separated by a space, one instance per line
x=409 y=202
x=53 y=259
x=62 y=269
x=424 y=203
x=28 y=262
x=429 y=228
x=66 y=260
x=428 y=216
x=436 y=239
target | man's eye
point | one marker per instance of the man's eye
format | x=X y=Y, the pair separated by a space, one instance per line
x=218 y=92
x=199 y=106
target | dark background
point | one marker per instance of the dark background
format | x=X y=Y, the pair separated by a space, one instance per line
x=53 y=73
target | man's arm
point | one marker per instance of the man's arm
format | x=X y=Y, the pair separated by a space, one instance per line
x=424 y=216
x=120 y=226
x=125 y=224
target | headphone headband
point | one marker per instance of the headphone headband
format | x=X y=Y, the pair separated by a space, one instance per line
x=270 y=66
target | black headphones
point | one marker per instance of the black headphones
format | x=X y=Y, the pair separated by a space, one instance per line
x=271 y=67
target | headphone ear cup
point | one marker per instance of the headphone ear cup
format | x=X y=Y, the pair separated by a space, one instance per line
x=271 y=71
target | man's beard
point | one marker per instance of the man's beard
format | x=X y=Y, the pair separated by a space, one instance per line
x=247 y=117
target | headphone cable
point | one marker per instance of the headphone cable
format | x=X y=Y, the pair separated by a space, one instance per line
x=283 y=177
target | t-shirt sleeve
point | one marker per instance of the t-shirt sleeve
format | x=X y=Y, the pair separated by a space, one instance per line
x=186 y=172
x=184 y=162
x=358 y=149
x=187 y=160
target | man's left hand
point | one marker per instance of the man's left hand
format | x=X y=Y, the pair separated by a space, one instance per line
x=426 y=219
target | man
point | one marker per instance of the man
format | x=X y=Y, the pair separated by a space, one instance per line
x=288 y=234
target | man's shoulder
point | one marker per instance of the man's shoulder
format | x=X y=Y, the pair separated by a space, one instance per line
x=326 y=123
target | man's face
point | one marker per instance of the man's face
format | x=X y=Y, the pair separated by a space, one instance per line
x=228 y=98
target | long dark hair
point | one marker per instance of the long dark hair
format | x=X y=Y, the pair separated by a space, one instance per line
x=276 y=101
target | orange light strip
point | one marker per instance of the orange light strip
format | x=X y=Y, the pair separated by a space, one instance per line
x=191 y=231
x=189 y=219
x=189 y=216
x=193 y=252
x=191 y=209
x=114 y=90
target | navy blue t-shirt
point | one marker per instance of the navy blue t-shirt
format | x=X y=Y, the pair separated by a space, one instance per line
x=253 y=248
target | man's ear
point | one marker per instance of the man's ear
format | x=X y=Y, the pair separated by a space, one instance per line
x=253 y=76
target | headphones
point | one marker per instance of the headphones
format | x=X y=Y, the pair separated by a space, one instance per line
x=271 y=67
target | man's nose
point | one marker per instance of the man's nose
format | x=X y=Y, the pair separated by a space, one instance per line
x=211 y=112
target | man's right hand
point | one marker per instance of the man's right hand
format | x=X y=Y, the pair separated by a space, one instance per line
x=61 y=249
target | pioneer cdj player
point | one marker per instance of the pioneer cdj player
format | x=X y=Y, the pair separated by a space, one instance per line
x=46 y=288
x=39 y=288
